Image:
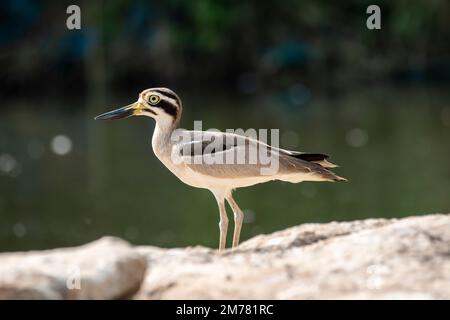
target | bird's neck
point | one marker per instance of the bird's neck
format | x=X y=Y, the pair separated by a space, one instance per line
x=161 y=140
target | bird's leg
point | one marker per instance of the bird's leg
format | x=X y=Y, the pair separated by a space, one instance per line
x=238 y=219
x=223 y=224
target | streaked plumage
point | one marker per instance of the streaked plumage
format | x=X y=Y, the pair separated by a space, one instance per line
x=165 y=107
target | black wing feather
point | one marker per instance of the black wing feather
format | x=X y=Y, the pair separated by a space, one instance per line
x=309 y=156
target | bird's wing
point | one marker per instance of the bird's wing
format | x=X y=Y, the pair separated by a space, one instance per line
x=201 y=144
x=228 y=155
x=217 y=154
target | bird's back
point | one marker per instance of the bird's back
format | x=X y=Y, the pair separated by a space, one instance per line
x=206 y=158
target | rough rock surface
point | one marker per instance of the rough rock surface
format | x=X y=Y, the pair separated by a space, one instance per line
x=105 y=269
x=371 y=259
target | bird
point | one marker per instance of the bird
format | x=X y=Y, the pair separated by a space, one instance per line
x=190 y=156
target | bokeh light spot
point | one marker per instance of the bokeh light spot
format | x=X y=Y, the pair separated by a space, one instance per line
x=19 y=230
x=61 y=145
x=357 y=137
x=249 y=216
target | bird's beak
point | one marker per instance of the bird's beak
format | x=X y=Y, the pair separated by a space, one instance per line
x=122 y=113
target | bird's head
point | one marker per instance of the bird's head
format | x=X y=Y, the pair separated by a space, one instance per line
x=162 y=104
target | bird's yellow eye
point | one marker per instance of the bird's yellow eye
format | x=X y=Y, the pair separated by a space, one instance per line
x=153 y=99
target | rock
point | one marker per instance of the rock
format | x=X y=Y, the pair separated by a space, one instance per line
x=371 y=259
x=105 y=269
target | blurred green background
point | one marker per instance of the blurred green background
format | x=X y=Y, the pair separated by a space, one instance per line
x=377 y=101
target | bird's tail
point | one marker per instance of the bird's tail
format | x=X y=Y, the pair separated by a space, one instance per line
x=327 y=175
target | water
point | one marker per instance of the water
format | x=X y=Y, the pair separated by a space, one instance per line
x=66 y=179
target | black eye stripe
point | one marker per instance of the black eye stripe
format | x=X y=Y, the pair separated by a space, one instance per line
x=168 y=107
x=167 y=94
